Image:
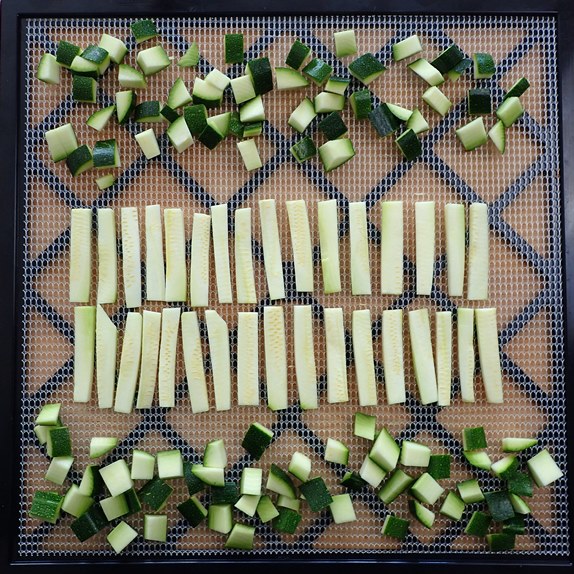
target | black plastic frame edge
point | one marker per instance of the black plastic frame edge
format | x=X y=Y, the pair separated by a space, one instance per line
x=12 y=13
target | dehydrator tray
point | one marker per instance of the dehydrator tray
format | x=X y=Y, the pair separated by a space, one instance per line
x=526 y=195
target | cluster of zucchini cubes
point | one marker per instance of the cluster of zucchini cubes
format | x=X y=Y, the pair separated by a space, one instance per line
x=107 y=494
x=505 y=507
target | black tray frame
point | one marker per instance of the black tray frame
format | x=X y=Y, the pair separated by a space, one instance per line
x=12 y=15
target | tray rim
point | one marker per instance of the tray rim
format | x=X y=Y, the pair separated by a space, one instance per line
x=12 y=16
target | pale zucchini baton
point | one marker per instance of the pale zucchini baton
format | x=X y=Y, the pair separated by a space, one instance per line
x=80 y=255
x=337 y=389
x=218 y=335
x=244 y=279
x=107 y=257
x=301 y=244
x=154 y=259
x=193 y=359
x=199 y=272
x=175 y=265
x=131 y=257
x=271 y=249
x=151 y=335
x=275 y=357
x=247 y=358
x=305 y=368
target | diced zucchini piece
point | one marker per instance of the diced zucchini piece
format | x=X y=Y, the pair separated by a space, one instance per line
x=473 y=134
x=329 y=243
x=297 y=54
x=301 y=244
x=423 y=514
x=473 y=438
x=249 y=154
x=402 y=113
x=514 y=525
x=337 y=391
x=478 y=524
x=129 y=77
x=252 y=111
x=257 y=439
x=59 y=468
x=125 y=104
x=483 y=65
x=98 y=120
x=226 y=494
x=91 y=483
x=359 y=247
x=417 y=122
x=519 y=483
x=217 y=79
x=155 y=527
x=115 y=48
x=116 y=477
x=395 y=527
x=409 y=145
x=518 y=504
x=497 y=133
x=454 y=73
x=384 y=121
x=170 y=115
x=271 y=249
x=318 y=71
x=89 y=523
x=41 y=434
x=80 y=160
x=517 y=89
x=155 y=493
x=148 y=143
x=302 y=115
x=48 y=70
x=479 y=459
x=289 y=79
x=278 y=480
x=248 y=358
x=114 y=506
x=509 y=111
x=439 y=466
x=209 y=475
x=420 y=337
x=148 y=112
x=385 y=451
x=505 y=467
x=499 y=505
x=414 y=454
x=153 y=60
x=66 y=52
x=76 y=503
x=500 y=541
x=143 y=30
x=49 y=415
x=513 y=444
x=261 y=75
x=479 y=101
x=345 y=43
x=366 y=68
x=84 y=68
x=352 y=481
x=58 y=442
x=102 y=445
x=337 y=85
x=193 y=511
x=300 y=466
x=371 y=472
x=106 y=154
x=215 y=455
x=191 y=57
x=336 y=451
x=266 y=509
x=46 y=506
x=233 y=45
x=243 y=89
x=332 y=126
x=427 y=489
x=448 y=59
x=407 y=48
x=287 y=520
x=248 y=504
x=205 y=93
x=543 y=468
x=452 y=506
x=287 y=502
x=425 y=70
x=335 y=153
x=195 y=118
x=61 y=142
x=241 y=537
x=470 y=491
x=142 y=465
x=316 y=494
x=169 y=464
x=342 y=509
x=395 y=486
x=361 y=104
x=194 y=483
x=365 y=426
x=220 y=517
x=437 y=100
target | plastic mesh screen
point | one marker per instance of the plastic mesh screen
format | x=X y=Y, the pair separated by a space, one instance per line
x=522 y=189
